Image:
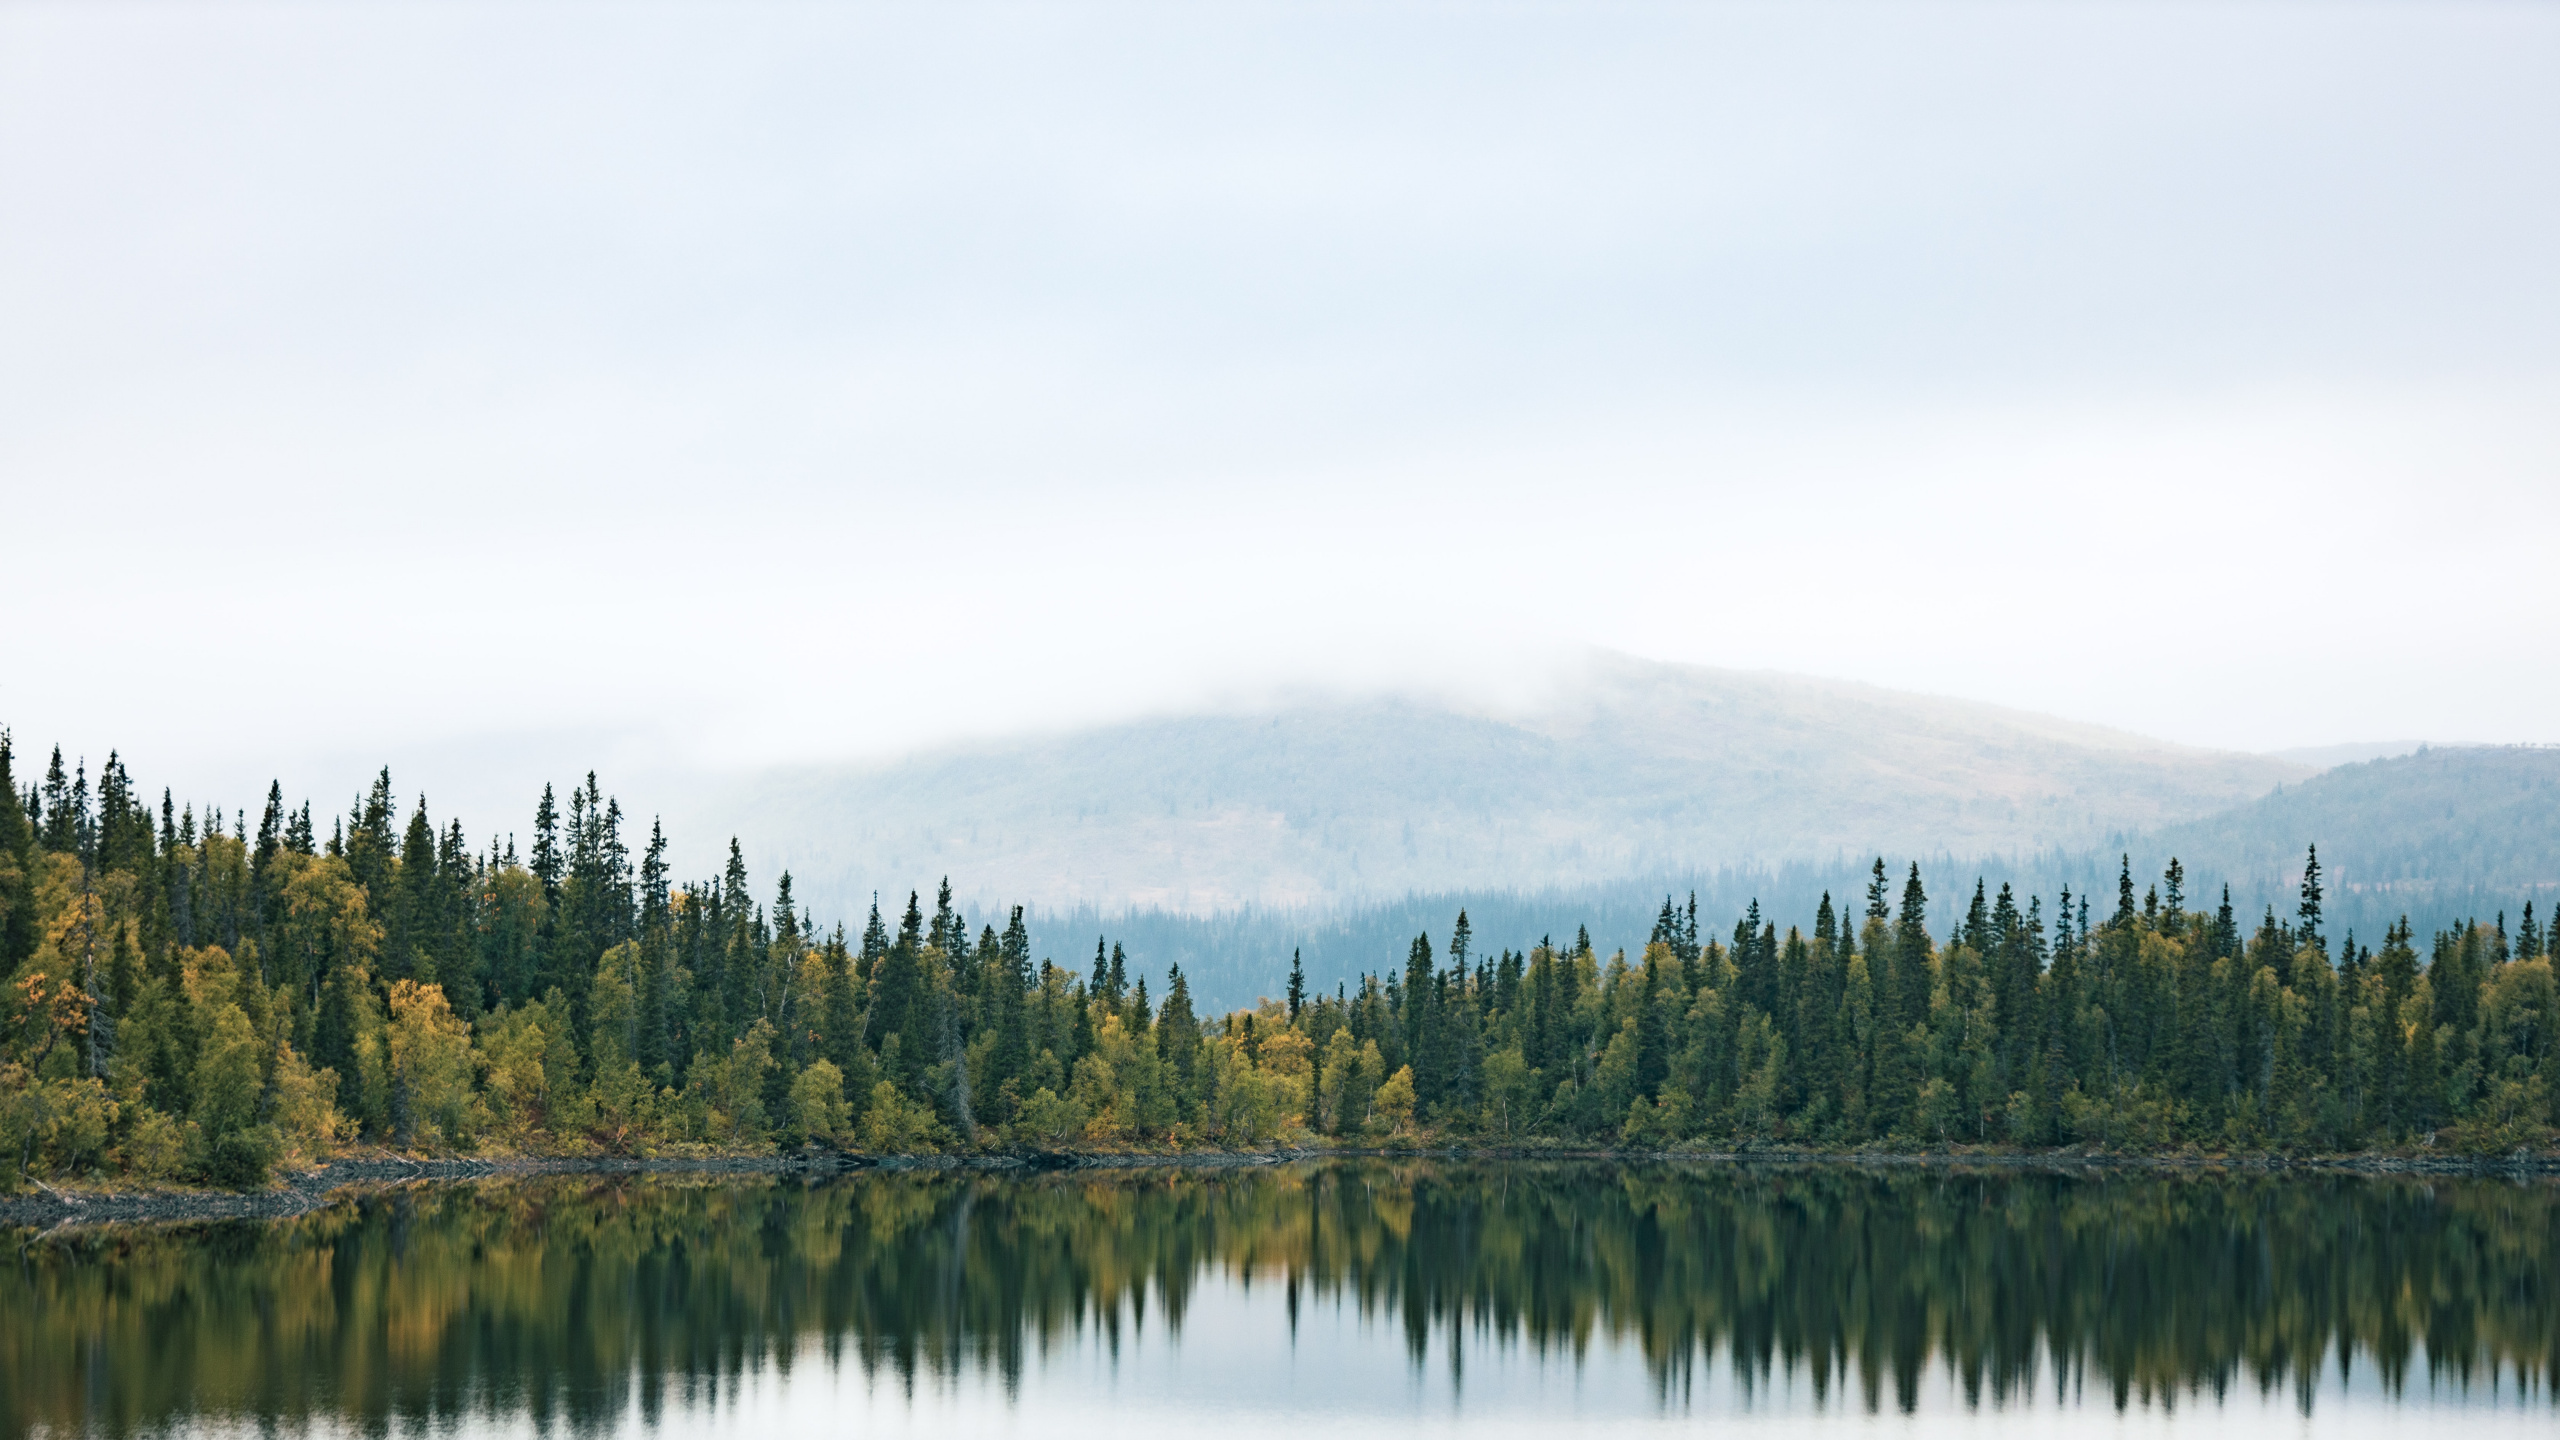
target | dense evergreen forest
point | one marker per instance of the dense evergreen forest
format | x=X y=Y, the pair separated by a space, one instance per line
x=199 y=996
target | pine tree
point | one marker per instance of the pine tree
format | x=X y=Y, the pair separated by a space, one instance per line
x=1298 y=979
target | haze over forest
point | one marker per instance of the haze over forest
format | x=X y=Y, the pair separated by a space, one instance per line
x=1178 y=458
x=1224 y=842
x=1630 y=768
x=1336 y=830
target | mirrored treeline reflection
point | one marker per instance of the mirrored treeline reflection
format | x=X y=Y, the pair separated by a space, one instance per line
x=555 y=1298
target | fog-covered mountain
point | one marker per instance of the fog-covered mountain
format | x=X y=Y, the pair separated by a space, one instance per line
x=2438 y=836
x=2329 y=757
x=1632 y=769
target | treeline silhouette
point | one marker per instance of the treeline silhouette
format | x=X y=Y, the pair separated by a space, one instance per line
x=196 y=996
x=561 y=1298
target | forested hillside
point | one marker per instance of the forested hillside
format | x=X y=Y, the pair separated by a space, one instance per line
x=1626 y=769
x=2479 y=821
x=2438 y=836
x=195 y=995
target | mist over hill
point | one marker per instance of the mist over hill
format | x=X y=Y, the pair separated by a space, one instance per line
x=2439 y=836
x=1633 y=768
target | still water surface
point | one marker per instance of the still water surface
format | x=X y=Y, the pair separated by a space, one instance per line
x=1493 y=1299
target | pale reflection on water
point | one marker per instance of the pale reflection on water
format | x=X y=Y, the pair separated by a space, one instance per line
x=1239 y=1371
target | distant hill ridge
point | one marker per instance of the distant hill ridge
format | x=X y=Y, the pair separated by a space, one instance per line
x=2485 y=817
x=1633 y=768
x=2440 y=836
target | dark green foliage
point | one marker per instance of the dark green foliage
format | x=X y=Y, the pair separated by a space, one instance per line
x=2154 y=1027
x=17 y=868
x=242 y=1159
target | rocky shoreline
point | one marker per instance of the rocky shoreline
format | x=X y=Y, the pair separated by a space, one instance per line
x=55 y=1208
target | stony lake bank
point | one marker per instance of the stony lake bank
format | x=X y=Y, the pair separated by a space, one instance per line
x=54 y=1206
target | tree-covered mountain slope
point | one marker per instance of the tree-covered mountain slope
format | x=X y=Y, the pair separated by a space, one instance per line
x=2403 y=831
x=2437 y=837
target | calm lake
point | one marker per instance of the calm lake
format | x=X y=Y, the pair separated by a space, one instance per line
x=1511 y=1298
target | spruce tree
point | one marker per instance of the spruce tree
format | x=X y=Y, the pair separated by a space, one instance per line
x=18 y=934
x=1178 y=1036
x=124 y=827
x=62 y=822
x=1911 y=951
x=1666 y=926
x=2306 y=928
x=875 y=942
x=1418 y=1017
x=946 y=934
x=271 y=824
x=546 y=847
x=899 y=1005
x=408 y=902
x=1754 y=982
x=1976 y=930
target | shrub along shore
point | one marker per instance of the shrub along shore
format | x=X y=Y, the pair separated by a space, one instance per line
x=194 y=999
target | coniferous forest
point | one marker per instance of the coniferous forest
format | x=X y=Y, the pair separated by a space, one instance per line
x=202 y=997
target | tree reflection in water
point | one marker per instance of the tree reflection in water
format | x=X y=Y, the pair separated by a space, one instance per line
x=551 y=1298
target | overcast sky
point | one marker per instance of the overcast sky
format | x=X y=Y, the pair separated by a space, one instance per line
x=481 y=388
